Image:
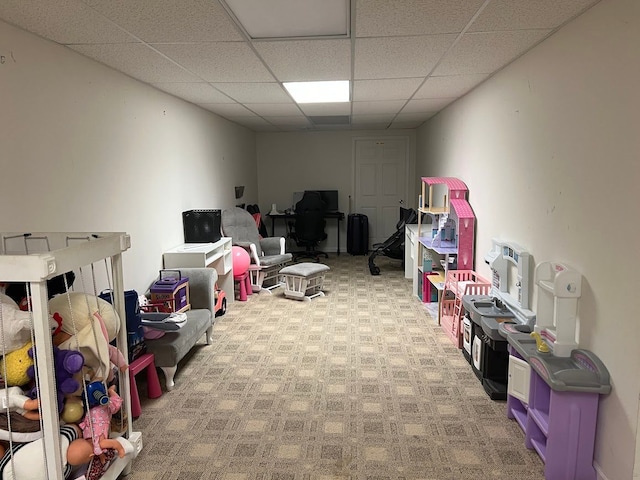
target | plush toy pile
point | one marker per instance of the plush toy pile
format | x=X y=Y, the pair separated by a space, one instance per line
x=84 y=361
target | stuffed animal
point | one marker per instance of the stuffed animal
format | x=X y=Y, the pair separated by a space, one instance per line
x=27 y=460
x=16 y=325
x=16 y=364
x=81 y=329
x=67 y=363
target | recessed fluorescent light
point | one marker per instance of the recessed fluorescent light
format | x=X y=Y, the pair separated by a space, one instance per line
x=319 y=92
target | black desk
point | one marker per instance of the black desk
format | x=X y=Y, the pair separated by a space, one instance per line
x=338 y=216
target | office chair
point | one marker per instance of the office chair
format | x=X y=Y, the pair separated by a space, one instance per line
x=308 y=230
x=268 y=255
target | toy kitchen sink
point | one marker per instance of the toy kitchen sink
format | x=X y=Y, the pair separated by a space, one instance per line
x=555 y=400
x=580 y=371
x=487 y=347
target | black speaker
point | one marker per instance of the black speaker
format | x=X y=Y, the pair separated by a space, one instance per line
x=201 y=226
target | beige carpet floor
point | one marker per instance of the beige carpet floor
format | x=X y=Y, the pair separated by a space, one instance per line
x=359 y=384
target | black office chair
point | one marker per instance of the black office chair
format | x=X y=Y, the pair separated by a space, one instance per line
x=308 y=229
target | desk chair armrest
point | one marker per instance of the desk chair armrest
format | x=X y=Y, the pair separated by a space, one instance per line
x=273 y=245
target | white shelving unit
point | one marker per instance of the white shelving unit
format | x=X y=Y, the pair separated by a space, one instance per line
x=212 y=255
x=64 y=252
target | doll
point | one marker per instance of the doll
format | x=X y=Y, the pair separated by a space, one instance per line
x=97 y=422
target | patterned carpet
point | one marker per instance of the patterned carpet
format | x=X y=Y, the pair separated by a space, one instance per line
x=359 y=384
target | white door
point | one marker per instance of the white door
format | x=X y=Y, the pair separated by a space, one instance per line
x=380 y=183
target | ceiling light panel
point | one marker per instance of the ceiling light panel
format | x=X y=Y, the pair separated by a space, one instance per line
x=319 y=92
x=291 y=18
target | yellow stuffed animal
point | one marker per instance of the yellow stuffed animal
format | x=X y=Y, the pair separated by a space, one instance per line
x=16 y=364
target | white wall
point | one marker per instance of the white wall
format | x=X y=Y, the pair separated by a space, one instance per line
x=85 y=148
x=549 y=150
x=297 y=161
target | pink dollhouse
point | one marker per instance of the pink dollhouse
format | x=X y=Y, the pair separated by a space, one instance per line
x=453 y=218
x=451 y=234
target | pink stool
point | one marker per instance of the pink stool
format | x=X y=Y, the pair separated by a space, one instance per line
x=154 y=390
x=244 y=286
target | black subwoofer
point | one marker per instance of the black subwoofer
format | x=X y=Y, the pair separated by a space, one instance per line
x=201 y=226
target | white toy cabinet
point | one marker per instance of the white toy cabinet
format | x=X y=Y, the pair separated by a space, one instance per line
x=213 y=255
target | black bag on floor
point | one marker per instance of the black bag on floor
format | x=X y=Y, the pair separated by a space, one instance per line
x=357 y=234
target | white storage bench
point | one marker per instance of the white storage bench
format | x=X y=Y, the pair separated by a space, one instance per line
x=303 y=281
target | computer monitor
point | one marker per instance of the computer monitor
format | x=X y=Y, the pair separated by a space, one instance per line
x=330 y=198
x=201 y=226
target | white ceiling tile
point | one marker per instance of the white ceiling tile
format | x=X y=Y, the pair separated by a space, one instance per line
x=359 y=125
x=255 y=92
x=136 y=60
x=389 y=89
x=219 y=61
x=406 y=125
x=194 y=92
x=376 y=18
x=307 y=60
x=228 y=109
x=449 y=86
x=333 y=127
x=63 y=21
x=274 y=109
x=527 y=14
x=413 y=117
x=426 y=105
x=265 y=128
x=487 y=52
x=297 y=120
x=399 y=57
x=384 y=118
x=170 y=21
x=250 y=121
x=343 y=108
x=388 y=107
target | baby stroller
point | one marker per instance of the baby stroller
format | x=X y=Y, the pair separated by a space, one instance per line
x=393 y=247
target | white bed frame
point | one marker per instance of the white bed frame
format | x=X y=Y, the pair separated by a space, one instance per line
x=66 y=252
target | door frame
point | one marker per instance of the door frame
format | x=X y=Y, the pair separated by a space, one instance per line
x=410 y=167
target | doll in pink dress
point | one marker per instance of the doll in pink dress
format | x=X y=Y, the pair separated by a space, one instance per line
x=97 y=423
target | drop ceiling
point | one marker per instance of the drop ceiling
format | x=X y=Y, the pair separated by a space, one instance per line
x=406 y=59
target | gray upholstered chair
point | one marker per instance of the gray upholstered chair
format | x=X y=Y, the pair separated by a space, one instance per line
x=268 y=255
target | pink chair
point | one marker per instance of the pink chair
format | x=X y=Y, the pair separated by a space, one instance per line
x=154 y=390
